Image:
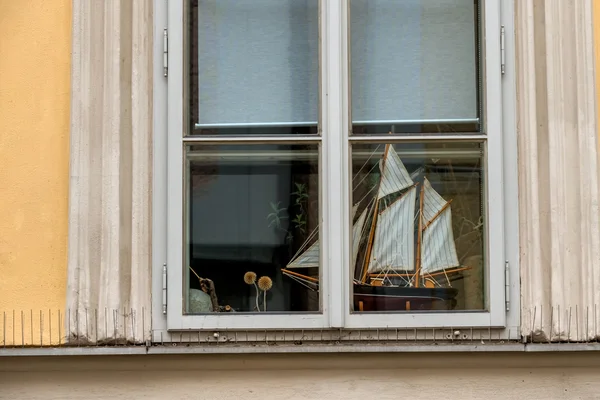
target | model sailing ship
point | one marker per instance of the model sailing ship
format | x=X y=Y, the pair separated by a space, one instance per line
x=402 y=266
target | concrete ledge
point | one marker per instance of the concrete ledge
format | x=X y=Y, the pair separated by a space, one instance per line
x=301 y=349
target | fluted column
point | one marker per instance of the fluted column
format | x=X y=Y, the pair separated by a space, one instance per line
x=558 y=170
x=109 y=270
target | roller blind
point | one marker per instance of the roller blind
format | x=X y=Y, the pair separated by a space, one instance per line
x=413 y=60
x=258 y=61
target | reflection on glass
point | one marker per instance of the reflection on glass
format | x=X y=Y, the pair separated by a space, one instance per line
x=417 y=240
x=252 y=217
x=254 y=64
x=414 y=66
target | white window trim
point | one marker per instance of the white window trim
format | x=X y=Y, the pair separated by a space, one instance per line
x=335 y=298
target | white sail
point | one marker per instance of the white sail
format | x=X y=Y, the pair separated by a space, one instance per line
x=432 y=202
x=393 y=244
x=394 y=176
x=438 y=251
x=308 y=259
x=354 y=208
x=357 y=231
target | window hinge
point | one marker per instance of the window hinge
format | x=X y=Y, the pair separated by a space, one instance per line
x=507 y=285
x=165 y=52
x=164 y=289
x=502 y=51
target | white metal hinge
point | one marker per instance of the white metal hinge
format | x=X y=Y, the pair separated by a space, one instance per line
x=502 y=51
x=164 y=288
x=507 y=285
x=165 y=52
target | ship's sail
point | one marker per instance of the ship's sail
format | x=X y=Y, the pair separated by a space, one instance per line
x=310 y=257
x=357 y=232
x=393 y=244
x=437 y=250
x=394 y=176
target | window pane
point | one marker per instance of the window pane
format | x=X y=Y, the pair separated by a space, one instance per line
x=424 y=248
x=414 y=66
x=252 y=228
x=254 y=64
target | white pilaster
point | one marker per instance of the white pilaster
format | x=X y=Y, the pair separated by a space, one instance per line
x=558 y=170
x=109 y=271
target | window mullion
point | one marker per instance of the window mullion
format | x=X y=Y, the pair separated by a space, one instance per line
x=175 y=168
x=335 y=158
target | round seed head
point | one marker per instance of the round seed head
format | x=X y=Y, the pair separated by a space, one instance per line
x=250 y=277
x=265 y=283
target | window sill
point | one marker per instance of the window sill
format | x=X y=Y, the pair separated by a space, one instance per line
x=188 y=349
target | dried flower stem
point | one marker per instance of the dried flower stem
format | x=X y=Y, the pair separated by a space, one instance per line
x=257 y=294
x=265 y=300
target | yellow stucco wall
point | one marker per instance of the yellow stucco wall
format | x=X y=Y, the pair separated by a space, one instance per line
x=35 y=45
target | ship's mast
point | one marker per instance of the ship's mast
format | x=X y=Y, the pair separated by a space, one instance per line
x=419 y=238
x=370 y=243
x=374 y=221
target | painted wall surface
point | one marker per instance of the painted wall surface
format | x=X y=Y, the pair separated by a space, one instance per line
x=597 y=56
x=493 y=383
x=35 y=45
x=319 y=377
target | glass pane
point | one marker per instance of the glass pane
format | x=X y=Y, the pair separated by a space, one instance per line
x=252 y=228
x=424 y=249
x=254 y=66
x=414 y=66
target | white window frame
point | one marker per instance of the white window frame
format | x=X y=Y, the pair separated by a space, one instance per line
x=176 y=320
x=502 y=241
x=494 y=259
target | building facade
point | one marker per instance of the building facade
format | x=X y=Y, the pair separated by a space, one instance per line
x=299 y=199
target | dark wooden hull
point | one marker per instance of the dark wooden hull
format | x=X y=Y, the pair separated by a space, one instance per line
x=397 y=298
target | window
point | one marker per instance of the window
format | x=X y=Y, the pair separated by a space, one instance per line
x=334 y=164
